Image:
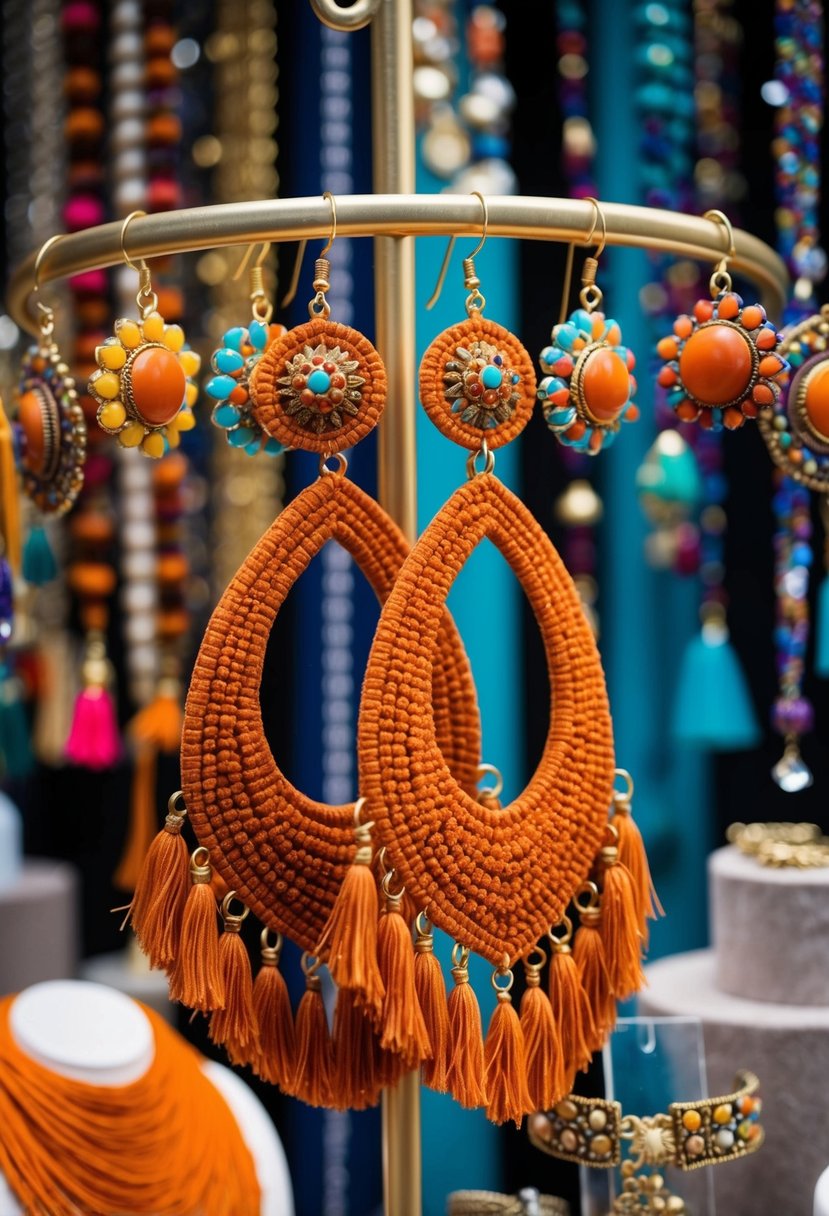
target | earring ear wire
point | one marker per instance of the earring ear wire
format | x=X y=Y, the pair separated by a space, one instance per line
x=470 y=277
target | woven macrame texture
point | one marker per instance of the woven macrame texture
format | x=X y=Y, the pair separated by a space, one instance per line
x=494 y=880
x=282 y=852
x=434 y=383
x=277 y=405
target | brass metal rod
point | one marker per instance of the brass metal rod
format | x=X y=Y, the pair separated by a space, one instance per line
x=393 y=158
x=403 y=214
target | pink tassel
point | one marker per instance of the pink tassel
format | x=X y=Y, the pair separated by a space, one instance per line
x=94 y=741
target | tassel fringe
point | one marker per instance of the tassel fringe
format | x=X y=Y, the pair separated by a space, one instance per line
x=623 y=942
x=546 y=1082
x=196 y=980
x=234 y=1024
x=354 y=1082
x=403 y=1030
x=160 y=896
x=589 y=957
x=465 y=1075
x=571 y=1010
x=314 y=1060
x=276 y=1060
x=505 y=1077
x=431 y=996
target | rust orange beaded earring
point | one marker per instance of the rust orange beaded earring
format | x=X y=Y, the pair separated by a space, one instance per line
x=722 y=363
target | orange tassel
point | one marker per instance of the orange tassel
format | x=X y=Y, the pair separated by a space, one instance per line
x=349 y=940
x=197 y=977
x=633 y=856
x=155 y=728
x=311 y=1081
x=505 y=1076
x=234 y=1025
x=354 y=1083
x=403 y=1030
x=274 y=1019
x=546 y=1082
x=465 y=1074
x=571 y=1010
x=623 y=943
x=9 y=495
x=160 y=894
x=589 y=957
x=431 y=996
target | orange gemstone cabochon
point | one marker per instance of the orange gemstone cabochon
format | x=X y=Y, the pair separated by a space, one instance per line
x=605 y=384
x=157 y=384
x=816 y=399
x=433 y=388
x=716 y=364
x=268 y=400
x=30 y=417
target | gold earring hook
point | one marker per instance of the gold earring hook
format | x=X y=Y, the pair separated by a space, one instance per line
x=590 y=296
x=332 y=236
x=146 y=299
x=47 y=313
x=471 y=280
x=290 y=294
x=720 y=279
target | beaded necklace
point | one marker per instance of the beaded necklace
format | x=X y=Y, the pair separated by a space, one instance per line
x=796 y=147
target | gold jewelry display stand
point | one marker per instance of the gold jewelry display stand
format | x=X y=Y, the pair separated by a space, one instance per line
x=393 y=215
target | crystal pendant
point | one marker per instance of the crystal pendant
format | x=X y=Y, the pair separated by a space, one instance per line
x=790 y=772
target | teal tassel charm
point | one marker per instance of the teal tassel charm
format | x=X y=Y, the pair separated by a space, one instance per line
x=39 y=565
x=15 y=748
x=822 y=630
x=712 y=706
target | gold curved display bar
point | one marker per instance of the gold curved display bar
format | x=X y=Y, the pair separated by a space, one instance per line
x=541 y=219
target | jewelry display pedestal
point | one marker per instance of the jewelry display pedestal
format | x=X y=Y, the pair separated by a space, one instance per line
x=101 y=1037
x=787 y=1046
x=129 y=972
x=770 y=930
x=822 y=1195
x=39 y=915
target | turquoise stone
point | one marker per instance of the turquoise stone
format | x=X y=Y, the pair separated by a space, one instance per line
x=491 y=376
x=227 y=360
x=561 y=418
x=226 y=415
x=583 y=321
x=241 y=437
x=273 y=447
x=319 y=381
x=258 y=333
x=235 y=338
x=220 y=386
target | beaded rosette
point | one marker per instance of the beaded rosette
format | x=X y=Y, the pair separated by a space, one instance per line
x=234 y=363
x=144 y=385
x=722 y=364
x=50 y=430
x=796 y=429
x=586 y=393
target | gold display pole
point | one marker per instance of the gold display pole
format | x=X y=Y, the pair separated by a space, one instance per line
x=393 y=156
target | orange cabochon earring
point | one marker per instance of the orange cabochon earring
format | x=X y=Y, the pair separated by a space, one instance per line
x=307 y=870
x=495 y=878
x=722 y=363
x=145 y=383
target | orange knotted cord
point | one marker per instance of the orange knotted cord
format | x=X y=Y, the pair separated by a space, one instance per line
x=165 y=1145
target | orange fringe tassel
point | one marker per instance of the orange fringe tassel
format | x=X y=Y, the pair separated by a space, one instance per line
x=276 y=1059
x=431 y=996
x=623 y=942
x=465 y=1074
x=403 y=1030
x=505 y=1075
x=350 y=936
x=160 y=894
x=157 y=728
x=9 y=500
x=354 y=1082
x=546 y=1082
x=571 y=1010
x=197 y=977
x=314 y=1059
x=234 y=1025
x=633 y=856
x=589 y=957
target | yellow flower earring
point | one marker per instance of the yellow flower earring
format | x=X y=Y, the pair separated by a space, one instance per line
x=145 y=384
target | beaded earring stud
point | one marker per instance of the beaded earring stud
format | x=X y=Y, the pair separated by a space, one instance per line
x=144 y=385
x=722 y=363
